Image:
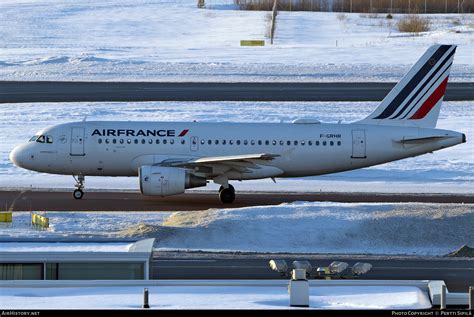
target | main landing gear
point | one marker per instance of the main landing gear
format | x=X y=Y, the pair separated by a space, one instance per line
x=227 y=195
x=78 y=193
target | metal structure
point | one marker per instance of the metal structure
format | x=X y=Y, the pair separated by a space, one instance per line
x=47 y=264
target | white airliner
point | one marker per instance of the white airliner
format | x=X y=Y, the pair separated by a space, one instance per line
x=169 y=157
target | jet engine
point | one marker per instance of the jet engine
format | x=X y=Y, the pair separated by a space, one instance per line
x=166 y=181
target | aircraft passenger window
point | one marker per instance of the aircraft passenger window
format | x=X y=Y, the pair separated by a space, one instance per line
x=338 y=142
x=172 y=141
x=136 y=141
x=40 y=139
x=202 y=141
x=317 y=143
x=121 y=141
x=223 y=142
x=216 y=142
x=282 y=142
x=259 y=142
x=267 y=142
x=33 y=138
x=165 y=141
x=231 y=142
x=183 y=141
x=114 y=141
x=100 y=141
x=209 y=142
x=49 y=139
x=324 y=143
x=150 y=141
x=302 y=142
x=245 y=142
x=143 y=141
x=157 y=141
x=107 y=141
x=331 y=143
x=238 y=142
x=129 y=141
x=274 y=142
x=310 y=142
x=252 y=142
x=288 y=142
x=295 y=143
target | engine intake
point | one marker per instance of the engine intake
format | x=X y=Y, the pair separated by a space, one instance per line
x=166 y=181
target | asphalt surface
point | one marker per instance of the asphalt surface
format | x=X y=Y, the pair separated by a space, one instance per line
x=458 y=273
x=134 y=201
x=24 y=91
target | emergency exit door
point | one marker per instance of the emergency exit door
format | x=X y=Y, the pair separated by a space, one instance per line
x=358 y=144
x=77 y=141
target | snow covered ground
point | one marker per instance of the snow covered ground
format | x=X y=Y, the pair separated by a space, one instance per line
x=300 y=227
x=173 y=40
x=64 y=247
x=80 y=224
x=446 y=171
x=212 y=297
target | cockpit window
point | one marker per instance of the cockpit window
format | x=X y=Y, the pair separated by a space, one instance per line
x=40 y=139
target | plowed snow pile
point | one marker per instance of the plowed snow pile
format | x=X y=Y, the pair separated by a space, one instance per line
x=423 y=229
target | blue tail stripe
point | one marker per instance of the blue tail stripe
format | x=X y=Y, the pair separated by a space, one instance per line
x=392 y=107
x=424 y=84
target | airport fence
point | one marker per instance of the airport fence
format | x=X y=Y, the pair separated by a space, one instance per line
x=360 y=6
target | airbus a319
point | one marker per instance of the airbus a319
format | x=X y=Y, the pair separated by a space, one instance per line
x=169 y=157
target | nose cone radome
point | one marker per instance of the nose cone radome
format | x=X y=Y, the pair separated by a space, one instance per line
x=18 y=156
x=14 y=156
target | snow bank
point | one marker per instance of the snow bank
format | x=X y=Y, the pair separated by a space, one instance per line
x=307 y=227
x=447 y=171
x=300 y=227
x=175 y=41
x=212 y=297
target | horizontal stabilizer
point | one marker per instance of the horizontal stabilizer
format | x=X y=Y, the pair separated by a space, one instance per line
x=427 y=139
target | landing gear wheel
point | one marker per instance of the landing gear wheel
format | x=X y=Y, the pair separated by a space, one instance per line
x=227 y=195
x=230 y=186
x=78 y=194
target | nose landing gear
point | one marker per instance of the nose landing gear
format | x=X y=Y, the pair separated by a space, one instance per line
x=227 y=195
x=78 y=193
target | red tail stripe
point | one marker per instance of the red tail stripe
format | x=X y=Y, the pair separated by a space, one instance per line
x=431 y=101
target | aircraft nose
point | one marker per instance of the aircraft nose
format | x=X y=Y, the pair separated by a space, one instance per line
x=18 y=156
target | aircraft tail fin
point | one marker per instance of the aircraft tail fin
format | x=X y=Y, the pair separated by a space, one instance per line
x=417 y=98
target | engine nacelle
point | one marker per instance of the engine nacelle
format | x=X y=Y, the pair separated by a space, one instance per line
x=166 y=181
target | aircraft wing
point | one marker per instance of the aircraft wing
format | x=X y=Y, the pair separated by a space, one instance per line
x=234 y=158
x=229 y=159
x=218 y=165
